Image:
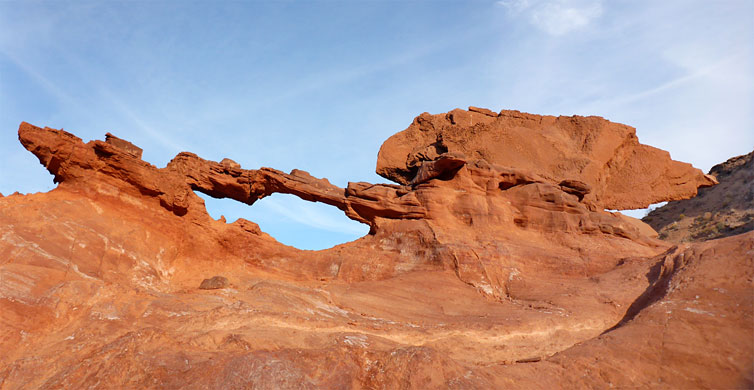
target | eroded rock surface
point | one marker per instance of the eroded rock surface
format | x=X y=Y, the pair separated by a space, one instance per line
x=479 y=271
x=622 y=173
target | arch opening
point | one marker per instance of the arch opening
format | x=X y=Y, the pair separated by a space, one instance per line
x=291 y=220
x=640 y=213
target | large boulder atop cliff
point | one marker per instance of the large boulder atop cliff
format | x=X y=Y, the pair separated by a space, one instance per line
x=622 y=173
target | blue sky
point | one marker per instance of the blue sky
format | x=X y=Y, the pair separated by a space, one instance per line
x=320 y=85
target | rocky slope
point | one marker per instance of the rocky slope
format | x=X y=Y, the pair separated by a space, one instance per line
x=724 y=210
x=491 y=265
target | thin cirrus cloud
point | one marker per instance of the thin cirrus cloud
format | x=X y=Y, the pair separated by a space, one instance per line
x=119 y=106
x=691 y=76
x=556 y=17
x=318 y=218
x=50 y=87
x=288 y=207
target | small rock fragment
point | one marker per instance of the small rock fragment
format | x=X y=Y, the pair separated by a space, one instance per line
x=485 y=111
x=214 y=283
x=123 y=145
x=229 y=164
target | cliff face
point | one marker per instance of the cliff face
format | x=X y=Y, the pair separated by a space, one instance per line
x=487 y=261
x=724 y=210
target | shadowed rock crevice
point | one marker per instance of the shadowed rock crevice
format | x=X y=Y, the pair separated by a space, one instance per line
x=658 y=279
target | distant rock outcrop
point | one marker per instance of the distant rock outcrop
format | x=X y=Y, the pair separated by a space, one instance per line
x=492 y=264
x=724 y=210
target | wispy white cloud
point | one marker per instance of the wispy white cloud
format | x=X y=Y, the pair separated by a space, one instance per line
x=692 y=75
x=70 y=102
x=47 y=85
x=304 y=213
x=141 y=124
x=334 y=78
x=123 y=108
x=556 y=17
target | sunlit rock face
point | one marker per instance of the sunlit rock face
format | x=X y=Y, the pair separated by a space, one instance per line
x=491 y=264
x=621 y=172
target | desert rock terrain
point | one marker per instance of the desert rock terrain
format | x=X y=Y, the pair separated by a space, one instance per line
x=492 y=263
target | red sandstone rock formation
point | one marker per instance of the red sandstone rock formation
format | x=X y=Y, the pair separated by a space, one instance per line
x=622 y=173
x=491 y=266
